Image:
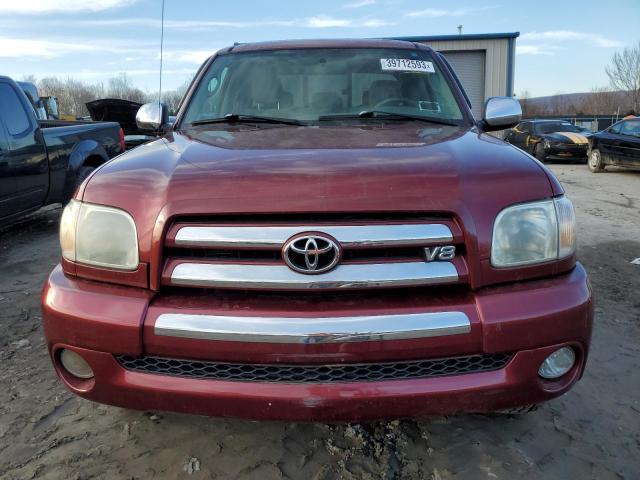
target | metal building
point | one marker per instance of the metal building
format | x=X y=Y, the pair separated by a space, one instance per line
x=484 y=62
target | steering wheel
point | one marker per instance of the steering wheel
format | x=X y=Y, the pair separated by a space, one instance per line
x=394 y=101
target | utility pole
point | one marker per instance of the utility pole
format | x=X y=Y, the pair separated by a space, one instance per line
x=459 y=29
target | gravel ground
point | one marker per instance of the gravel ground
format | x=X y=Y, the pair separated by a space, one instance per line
x=593 y=432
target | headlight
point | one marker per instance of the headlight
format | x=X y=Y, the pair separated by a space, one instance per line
x=534 y=232
x=98 y=235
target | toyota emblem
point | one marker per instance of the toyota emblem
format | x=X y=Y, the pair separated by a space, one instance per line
x=311 y=254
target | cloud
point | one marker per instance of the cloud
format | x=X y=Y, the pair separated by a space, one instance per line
x=195 y=57
x=61 y=6
x=47 y=49
x=183 y=24
x=317 y=21
x=324 y=21
x=547 y=50
x=376 y=22
x=19 y=48
x=359 y=4
x=594 y=39
x=441 y=12
x=431 y=12
x=541 y=43
x=11 y=47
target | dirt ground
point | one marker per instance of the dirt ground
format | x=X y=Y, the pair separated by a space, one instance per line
x=593 y=432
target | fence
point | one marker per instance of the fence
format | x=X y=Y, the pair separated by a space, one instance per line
x=595 y=123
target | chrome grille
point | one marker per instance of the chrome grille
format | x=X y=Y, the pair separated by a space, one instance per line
x=249 y=257
x=279 y=277
x=349 y=236
x=369 y=255
x=276 y=373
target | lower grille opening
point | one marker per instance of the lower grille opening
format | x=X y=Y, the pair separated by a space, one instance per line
x=276 y=373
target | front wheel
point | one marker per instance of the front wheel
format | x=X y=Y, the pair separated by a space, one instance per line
x=596 y=165
x=538 y=152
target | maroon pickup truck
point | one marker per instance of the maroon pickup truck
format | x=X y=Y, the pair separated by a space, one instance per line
x=325 y=233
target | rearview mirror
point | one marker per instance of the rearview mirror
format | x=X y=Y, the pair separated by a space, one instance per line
x=152 y=117
x=501 y=113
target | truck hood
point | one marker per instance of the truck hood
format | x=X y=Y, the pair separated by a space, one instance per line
x=116 y=110
x=401 y=168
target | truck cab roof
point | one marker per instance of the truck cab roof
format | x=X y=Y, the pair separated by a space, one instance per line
x=322 y=43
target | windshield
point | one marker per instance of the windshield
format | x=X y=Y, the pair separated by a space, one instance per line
x=552 y=127
x=307 y=84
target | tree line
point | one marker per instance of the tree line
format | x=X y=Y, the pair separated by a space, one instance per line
x=73 y=94
x=599 y=101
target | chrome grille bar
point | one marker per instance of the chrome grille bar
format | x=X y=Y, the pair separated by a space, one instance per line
x=281 y=277
x=349 y=236
x=312 y=330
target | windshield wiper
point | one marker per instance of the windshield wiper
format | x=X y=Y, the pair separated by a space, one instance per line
x=387 y=116
x=240 y=118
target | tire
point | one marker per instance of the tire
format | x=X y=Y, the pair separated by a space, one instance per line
x=82 y=174
x=595 y=163
x=538 y=152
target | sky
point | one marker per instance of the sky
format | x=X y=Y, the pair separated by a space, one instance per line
x=563 y=46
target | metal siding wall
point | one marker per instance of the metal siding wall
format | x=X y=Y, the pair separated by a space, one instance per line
x=503 y=48
x=467 y=64
x=496 y=59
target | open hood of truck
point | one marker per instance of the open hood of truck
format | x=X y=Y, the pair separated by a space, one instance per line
x=116 y=110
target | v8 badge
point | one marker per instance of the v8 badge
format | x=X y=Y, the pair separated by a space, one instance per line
x=443 y=253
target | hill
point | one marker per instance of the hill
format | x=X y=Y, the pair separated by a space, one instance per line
x=597 y=102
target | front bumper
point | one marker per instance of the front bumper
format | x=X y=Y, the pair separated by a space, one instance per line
x=530 y=319
x=567 y=151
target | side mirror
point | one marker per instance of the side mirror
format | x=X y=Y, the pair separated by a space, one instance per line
x=501 y=113
x=152 y=117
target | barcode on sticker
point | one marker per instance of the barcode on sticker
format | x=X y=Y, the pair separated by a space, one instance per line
x=406 y=65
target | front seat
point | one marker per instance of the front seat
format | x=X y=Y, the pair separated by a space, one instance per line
x=264 y=89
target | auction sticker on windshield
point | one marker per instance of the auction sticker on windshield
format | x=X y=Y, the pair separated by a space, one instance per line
x=406 y=65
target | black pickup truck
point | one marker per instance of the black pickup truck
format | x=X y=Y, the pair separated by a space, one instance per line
x=42 y=162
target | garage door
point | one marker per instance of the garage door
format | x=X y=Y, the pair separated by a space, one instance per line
x=469 y=67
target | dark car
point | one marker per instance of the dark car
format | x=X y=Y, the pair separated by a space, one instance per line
x=43 y=161
x=549 y=140
x=618 y=145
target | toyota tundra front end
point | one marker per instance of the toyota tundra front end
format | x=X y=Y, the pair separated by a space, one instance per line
x=325 y=234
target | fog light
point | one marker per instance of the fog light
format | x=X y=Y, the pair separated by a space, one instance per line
x=75 y=364
x=558 y=363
